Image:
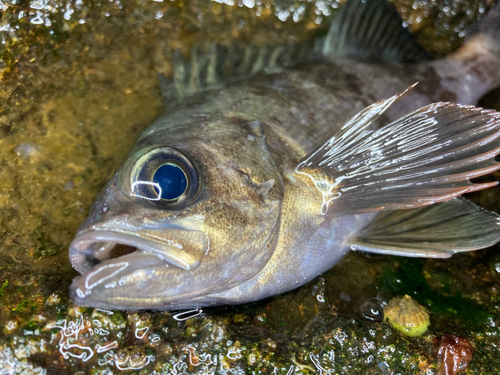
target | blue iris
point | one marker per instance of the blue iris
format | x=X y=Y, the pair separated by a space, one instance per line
x=172 y=181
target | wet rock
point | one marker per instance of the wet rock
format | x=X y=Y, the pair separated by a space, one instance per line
x=494 y=263
x=110 y=320
x=10 y=326
x=97 y=60
x=53 y=300
x=140 y=324
x=345 y=297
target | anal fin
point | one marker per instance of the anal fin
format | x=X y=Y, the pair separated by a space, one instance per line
x=436 y=231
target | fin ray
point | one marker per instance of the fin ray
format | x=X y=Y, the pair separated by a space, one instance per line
x=368 y=29
x=373 y=30
x=210 y=69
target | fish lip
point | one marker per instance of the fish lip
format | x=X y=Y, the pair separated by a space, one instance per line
x=82 y=254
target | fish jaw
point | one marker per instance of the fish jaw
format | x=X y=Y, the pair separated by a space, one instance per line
x=129 y=259
x=178 y=247
x=106 y=277
x=132 y=282
x=122 y=265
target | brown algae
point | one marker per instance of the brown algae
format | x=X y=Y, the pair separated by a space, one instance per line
x=407 y=316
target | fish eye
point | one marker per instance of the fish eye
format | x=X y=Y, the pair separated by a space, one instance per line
x=171 y=180
x=164 y=177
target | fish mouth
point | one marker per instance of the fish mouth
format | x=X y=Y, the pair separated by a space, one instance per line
x=180 y=248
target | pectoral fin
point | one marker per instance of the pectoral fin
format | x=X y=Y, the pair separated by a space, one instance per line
x=425 y=157
x=436 y=231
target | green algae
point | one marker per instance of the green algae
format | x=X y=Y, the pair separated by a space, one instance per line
x=433 y=290
x=5 y=283
x=74 y=97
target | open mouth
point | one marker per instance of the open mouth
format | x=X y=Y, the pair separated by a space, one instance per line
x=180 y=248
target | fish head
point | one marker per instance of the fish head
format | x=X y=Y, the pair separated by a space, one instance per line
x=194 y=211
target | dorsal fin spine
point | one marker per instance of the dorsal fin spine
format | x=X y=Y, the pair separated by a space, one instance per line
x=212 y=66
x=210 y=69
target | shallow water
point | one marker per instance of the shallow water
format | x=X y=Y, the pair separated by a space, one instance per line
x=78 y=84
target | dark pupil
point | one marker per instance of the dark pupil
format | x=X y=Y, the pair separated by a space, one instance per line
x=172 y=181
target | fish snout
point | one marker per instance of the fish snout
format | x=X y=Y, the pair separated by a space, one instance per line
x=174 y=246
x=124 y=282
x=120 y=268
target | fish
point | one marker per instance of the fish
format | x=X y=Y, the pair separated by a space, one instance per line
x=271 y=163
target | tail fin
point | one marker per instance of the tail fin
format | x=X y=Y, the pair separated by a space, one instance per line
x=490 y=27
x=474 y=69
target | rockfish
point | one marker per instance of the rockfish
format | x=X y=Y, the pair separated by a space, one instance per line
x=271 y=164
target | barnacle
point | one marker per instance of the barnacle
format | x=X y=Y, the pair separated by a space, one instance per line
x=407 y=316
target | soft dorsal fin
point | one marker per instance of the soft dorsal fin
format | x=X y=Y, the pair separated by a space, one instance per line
x=369 y=29
x=436 y=231
x=372 y=29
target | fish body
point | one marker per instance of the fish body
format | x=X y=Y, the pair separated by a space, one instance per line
x=234 y=196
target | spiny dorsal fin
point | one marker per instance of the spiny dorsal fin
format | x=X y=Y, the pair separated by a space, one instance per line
x=372 y=29
x=210 y=69
x=435 y=231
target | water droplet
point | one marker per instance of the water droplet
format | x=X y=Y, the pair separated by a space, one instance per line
x=27 y=151
x=37 y=20
x=249 y=3
x=283 y=15
x=68 y=13
x=372 y=310
x=37 y=4
x=185 y=315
